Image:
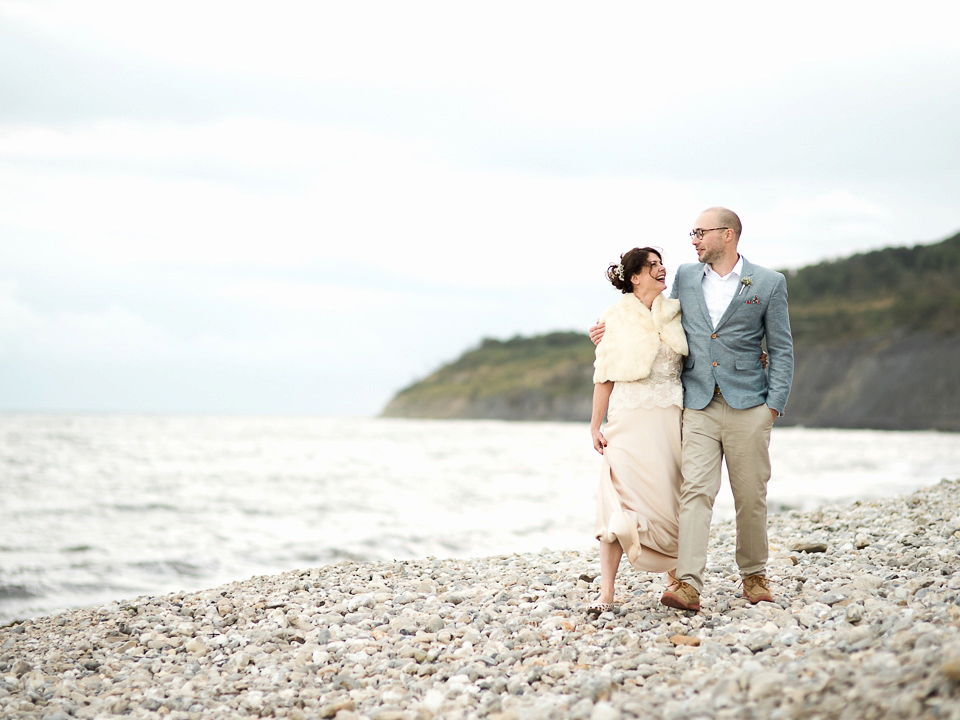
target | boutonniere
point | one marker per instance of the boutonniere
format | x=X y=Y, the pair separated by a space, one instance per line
x=745 y=283
x=753 y=301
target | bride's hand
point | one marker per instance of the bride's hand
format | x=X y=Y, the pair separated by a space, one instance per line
x=599 y=441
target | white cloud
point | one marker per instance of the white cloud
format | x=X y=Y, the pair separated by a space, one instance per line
x=545 y=48
x=361 y=198
x=318 y=190
x=802 y=228
x=16 y=319
x=303 y=297
x=113 y=334
x=261 y=144
x=117 y=336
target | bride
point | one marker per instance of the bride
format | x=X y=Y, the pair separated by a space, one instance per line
x=637 y=387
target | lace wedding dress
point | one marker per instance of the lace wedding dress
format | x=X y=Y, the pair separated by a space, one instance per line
x=640 y=477
x=661 y=389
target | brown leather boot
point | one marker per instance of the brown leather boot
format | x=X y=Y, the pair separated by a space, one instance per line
x=755 y=589
x=682 y=596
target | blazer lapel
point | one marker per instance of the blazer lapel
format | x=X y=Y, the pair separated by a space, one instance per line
x=697 y=281
x=737 y=300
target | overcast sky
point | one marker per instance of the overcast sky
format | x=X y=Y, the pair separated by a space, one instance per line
x=301 y=207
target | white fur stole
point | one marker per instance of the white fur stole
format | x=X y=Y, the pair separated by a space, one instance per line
x=632 y=337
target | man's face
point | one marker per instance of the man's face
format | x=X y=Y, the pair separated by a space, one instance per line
x=711 y=246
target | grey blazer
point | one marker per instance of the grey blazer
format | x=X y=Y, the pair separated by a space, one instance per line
x=729 y=356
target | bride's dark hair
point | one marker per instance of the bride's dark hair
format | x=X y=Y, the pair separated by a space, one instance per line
x=631 y=262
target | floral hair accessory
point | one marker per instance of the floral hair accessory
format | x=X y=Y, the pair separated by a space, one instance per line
x=619 y=272
x=745 y=283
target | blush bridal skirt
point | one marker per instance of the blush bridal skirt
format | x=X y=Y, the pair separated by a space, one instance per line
x=639 y=493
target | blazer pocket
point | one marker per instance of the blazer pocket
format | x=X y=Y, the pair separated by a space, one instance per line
x=754 y=364
x=688 y=362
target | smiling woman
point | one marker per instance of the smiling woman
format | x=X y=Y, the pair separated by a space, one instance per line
x=637 y=388
x=640 y=271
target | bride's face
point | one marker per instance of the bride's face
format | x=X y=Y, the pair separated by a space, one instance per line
x=652 y=278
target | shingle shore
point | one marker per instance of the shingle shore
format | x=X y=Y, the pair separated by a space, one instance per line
x=870 y=628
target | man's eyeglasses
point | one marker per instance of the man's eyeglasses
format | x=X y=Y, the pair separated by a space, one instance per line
x=700 y=232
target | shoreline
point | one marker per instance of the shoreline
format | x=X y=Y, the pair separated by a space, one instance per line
x=870 y=627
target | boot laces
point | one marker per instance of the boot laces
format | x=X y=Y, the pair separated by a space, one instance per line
x=760 y=580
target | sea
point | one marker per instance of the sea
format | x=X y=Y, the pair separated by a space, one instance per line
x=101 y=508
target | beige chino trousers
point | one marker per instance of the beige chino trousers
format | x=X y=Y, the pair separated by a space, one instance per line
x=742 y=437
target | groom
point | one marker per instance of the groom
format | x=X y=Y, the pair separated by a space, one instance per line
x=730 y=403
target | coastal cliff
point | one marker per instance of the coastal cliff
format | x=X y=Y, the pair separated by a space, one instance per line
x=877 y=339
x=548 y=377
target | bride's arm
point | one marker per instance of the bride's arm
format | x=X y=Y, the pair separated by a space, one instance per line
x=601 y=399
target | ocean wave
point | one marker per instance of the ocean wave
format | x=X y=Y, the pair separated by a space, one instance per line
x=17 y=592
x=148 y=507
x=78 y=549
x=180 y=568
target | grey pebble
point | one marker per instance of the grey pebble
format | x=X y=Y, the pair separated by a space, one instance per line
x=832 y=598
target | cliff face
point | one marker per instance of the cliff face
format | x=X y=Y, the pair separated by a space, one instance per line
x=521 y=405
x=900 y=381
x=877 y=344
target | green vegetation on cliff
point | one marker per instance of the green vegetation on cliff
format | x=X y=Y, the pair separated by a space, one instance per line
x=516 y=378
x=877 y=337
x=877 y=292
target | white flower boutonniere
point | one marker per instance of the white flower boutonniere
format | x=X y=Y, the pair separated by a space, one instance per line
x=745 y=283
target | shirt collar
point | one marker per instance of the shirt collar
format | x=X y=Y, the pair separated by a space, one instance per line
x=737 y=270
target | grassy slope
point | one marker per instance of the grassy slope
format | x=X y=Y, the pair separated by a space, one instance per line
x=551 y=363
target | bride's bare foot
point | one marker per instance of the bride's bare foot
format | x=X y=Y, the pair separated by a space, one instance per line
x=672 y=581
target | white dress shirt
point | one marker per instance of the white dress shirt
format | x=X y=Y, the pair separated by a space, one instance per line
x=719 y=291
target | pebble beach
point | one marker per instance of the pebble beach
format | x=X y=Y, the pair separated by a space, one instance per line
x=866 y=624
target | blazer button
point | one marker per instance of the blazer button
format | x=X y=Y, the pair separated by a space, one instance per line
x=714 y=336
x=714 y=364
